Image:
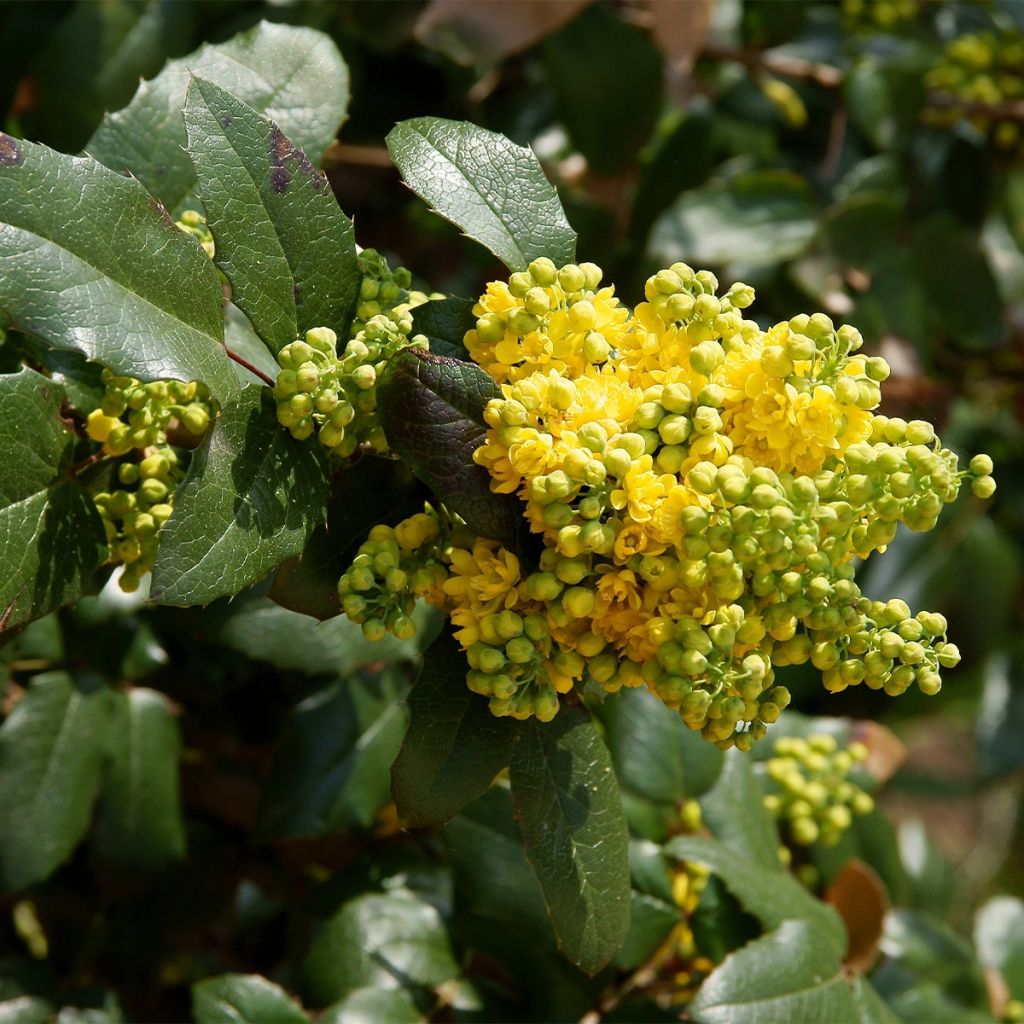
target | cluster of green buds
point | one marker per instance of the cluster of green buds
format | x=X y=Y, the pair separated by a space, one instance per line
x=134 y=514
x=701 y=672
x=336 y=396
x=134 y=419
x=865 y=16
x=681 y=295
x=809 y=790
x=392 y=567
x=133 y=415
x=979 y=71
x=192 y=222
x=385 y=292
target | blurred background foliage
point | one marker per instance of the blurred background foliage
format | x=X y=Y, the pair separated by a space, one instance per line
x=841 y=157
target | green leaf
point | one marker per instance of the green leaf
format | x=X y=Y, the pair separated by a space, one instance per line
x=783 y=977
x=94 y=59
x=734 y=811
x=140 y=819
x=772 y=895
x=609 y=116
x=363 y=494
x=391 y=940
x=493 y=877
x=432 y=411
x=677 y=762
x=244 y=999
x=492 y=189
x=454 y=746
x=52 y=748
x=332 y=766
x=264 y=631
x=281 y=238
x=445 y=323
x=372 y=1006
x=754 y=218
x=252 y=496
x=122 y=285
x=51 y=537
x=870 y=1007
x=567 y=804
x=293 y=75
x=653 y=911
x=919 y=949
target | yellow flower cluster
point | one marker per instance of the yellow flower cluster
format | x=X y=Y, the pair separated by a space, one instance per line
x=979 y=71
x=701 y=489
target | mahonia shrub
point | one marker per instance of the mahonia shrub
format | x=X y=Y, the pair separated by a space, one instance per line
x=565 y=545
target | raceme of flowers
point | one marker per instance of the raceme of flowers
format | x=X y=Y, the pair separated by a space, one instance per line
x=702 y=490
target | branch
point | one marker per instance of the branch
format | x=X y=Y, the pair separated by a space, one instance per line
x=252 y=369
x=825 y=75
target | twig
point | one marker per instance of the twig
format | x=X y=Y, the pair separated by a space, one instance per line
x=825 y=75
x=1011 y=110
x=252 y=369
x=86 y=463
x=834 y=146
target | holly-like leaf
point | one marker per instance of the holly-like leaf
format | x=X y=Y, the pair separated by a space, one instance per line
x=331 y=769
x=454 y=746
x=293 y=75
x=391 y=940
x=244 y=999
x=52 y=749
x=567 y=804
x=432 y=409
x=252 y=497
x=51 y=537
x=93 y=263
x=140 y=820
x=734 y=811
x=492 y=189
x=784 y=976
x=445 y=323
x=281 y=238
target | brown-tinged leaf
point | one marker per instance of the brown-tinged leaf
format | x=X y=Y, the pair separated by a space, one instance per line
x=470 y=32
x=860 y=897
x=885 y=751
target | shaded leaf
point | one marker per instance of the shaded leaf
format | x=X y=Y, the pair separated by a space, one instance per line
x=332 y=766
x=492 y=189
x=281 y=238
x=753 y=218
x=445 y=323
x=140 y=819
x=454 y=746
x=391 y=940
x=431 y=408
x=243 y=999
x=609 y=117
x=51 y=536
x=567 y=804
x=293 y=75
x=68 y=279
x=252 y=496
x=372 y=1006
x=52 y=749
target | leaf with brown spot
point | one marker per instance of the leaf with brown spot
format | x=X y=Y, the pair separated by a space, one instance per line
x=862 y=901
